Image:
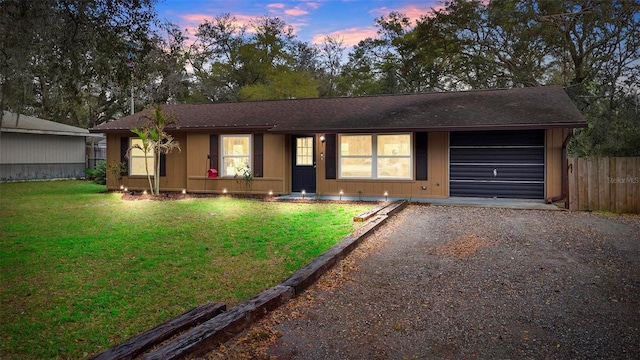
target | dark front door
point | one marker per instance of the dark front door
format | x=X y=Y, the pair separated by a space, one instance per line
x=304 y=166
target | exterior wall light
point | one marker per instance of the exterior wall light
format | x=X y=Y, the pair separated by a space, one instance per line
x=322 y=139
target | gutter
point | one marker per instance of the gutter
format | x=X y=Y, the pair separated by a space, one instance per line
x=563 y=194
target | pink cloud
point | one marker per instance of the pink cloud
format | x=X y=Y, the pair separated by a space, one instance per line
x=296 y=11
x=412 y=11
x=275 y=6
x=313 y=5
x=349 y=37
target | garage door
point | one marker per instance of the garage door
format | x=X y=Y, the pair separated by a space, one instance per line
x=503 y=164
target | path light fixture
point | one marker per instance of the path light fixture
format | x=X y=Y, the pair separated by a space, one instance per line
x=144 y=192
x=184 y=191
x=122 y=187
x=125 y=189
x=386 y=196
x=224 y=191
x=341 y=193
x=303 y=194
x=270 y=193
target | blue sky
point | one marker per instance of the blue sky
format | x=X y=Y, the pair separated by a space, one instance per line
x=349 y=20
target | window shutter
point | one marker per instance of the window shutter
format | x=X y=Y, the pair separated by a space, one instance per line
x=124 y=146
x=163 y=164
x=213 y=151
x=422 y=139
x=330 y=156
x=258 y=155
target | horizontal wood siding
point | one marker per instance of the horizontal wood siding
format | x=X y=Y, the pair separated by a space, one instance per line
x=605 y=184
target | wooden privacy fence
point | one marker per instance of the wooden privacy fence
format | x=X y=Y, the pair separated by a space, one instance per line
x=606 y=184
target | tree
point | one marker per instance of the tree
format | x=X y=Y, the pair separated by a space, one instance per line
x=156 y=141
x=233 y=64
x=65 y=60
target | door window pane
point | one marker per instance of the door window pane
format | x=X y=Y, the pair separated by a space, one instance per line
x=304 y=151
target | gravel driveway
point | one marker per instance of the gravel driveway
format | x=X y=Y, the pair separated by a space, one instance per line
x=466 y=283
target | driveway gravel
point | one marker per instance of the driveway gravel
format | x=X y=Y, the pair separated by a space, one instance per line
x=441 y=282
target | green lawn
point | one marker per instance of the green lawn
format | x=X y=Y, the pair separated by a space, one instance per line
x=84 y=270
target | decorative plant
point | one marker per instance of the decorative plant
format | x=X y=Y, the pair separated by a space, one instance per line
x=244 y=177
x=117 y=170
x=155 y=139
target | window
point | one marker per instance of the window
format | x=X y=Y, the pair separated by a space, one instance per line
x=304 y=151
x=375 y=156
x=137 y=159
x=236 y=150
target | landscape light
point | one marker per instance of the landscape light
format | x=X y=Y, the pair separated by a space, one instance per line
x=121 y=187
x=386 y=195
x=224 y=191
x=125 y=189
x=184 y=191
x=270 y=193
x=144 y=192
x=303 y=193
x=341 y=193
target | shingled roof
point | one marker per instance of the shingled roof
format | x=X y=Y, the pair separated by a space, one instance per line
x=526 y=108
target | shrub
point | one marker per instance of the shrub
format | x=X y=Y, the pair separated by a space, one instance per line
x=100 y=173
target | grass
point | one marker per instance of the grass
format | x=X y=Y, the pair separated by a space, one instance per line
x=84 y=270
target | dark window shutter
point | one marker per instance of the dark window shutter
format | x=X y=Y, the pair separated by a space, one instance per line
x=124 y=146
x=258 y=155
x=213 y=151
x=422 y=139
x=163 y=164
x=330 y=156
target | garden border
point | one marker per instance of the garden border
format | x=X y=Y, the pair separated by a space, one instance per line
x=201 y=337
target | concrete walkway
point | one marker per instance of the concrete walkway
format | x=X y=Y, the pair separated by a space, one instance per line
x=521 y=204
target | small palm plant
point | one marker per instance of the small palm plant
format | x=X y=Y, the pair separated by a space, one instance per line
x=156 y=140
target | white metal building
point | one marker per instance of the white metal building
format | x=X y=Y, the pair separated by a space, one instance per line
x=35 y=149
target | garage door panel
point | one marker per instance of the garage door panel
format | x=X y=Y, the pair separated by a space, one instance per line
x=500 y=190
x=508 y=164
x=497 y=155
x=499 y=138
x=503 y=173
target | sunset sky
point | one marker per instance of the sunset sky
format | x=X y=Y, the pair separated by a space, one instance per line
x=350 y=20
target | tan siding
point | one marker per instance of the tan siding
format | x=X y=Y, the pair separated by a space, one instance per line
x=553 y=162
x=436 y=185
x=198 y=164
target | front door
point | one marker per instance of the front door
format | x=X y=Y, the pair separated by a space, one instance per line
x=304 y=166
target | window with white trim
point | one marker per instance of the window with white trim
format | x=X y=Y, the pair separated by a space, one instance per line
x=236 y=154
x=375 y=156
x=137 y=159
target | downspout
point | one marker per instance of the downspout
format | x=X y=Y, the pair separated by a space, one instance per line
x=564 y=171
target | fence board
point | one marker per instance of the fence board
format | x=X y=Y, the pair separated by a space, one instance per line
x=610 y=184
x=572 y=183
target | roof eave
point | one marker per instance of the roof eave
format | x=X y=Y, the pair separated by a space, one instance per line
x=432 y=128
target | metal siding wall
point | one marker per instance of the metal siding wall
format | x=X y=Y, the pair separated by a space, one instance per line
x=32 y=156
x=42 y=149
